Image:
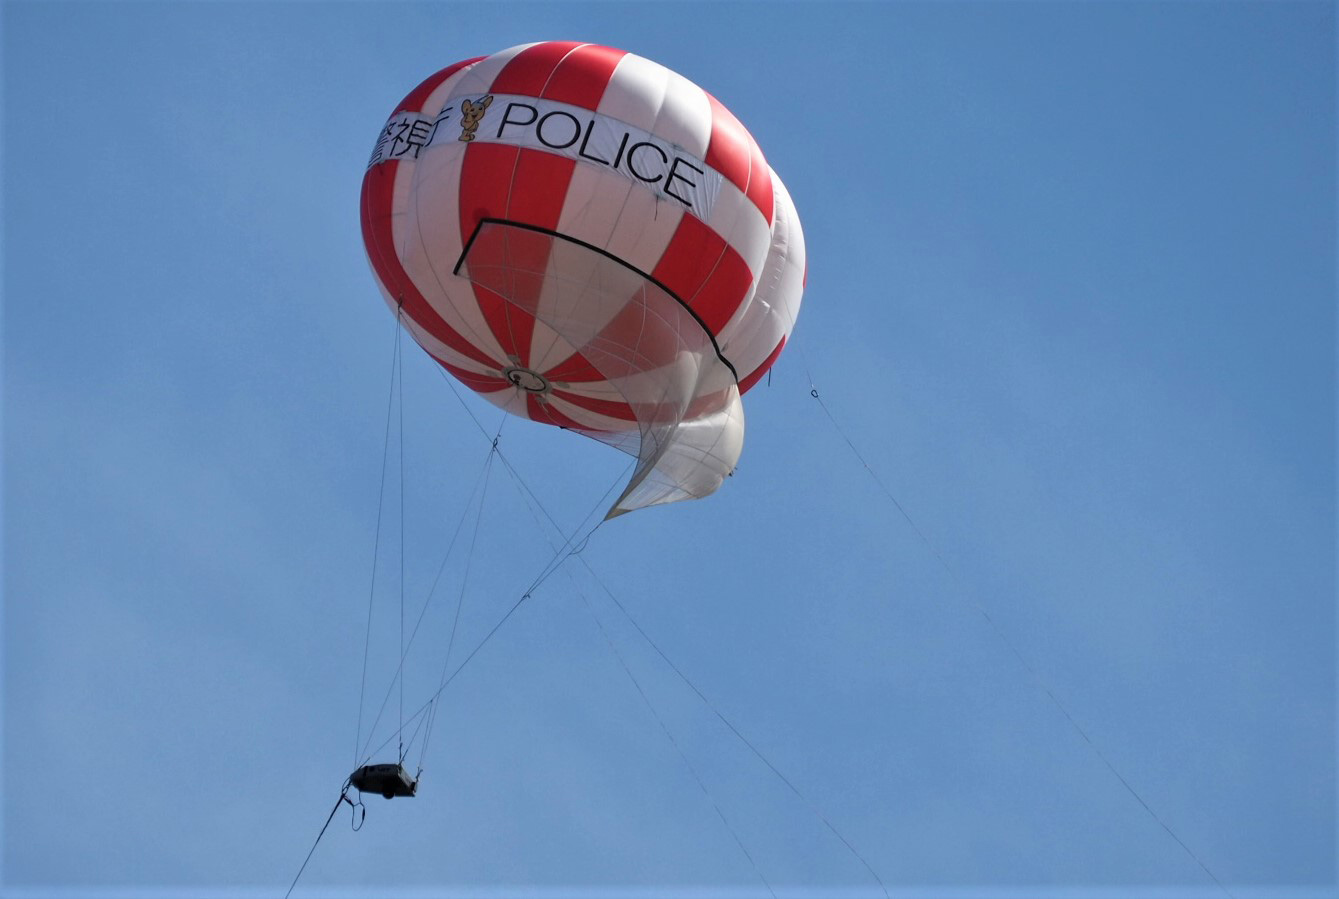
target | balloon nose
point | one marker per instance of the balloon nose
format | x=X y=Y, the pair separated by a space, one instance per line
x=527 y=380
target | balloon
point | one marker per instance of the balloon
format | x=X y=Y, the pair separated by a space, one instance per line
x=589 y=240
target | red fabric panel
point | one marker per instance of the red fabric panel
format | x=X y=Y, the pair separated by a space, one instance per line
x=582 y=76
x=537 y=411
x=375 y=212
x=377 y=190
x=760 y=182
x=728 y=150
x=538 y=188
x=485 y=191
x=689 y=258
x=735 y=154
x=575 y=369
x=705 y=272
x=723 y=291
x=529 y=71
x=473 y=380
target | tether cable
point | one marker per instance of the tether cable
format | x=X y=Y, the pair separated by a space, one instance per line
x=343 y=797
x=965 y=595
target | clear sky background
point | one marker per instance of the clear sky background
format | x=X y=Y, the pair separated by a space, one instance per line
x=1071 y=295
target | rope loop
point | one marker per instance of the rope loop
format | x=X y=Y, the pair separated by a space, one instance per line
x=354 y=807
x=358 y=813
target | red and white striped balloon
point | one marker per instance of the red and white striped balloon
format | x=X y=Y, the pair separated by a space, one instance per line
x=589 y=240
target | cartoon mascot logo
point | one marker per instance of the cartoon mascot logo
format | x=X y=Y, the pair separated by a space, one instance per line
x=470 y=116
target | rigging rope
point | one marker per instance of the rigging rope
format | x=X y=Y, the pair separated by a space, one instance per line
x=532 y=501
x=535 y=507
x=376 y=540
x=674 y=742
x=460 y=597
x=427 y=600
x=399 y=368
x=813 y=808
x=422 y=709
x=397 y=380
x=547 y=572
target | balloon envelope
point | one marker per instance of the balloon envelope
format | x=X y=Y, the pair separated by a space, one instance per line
x=589 y=240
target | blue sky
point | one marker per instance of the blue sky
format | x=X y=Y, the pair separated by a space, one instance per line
x=1071 y=295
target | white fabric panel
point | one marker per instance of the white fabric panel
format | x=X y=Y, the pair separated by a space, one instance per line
x=548 y=347
x=685 y=116
x=434 y=102
x=478 y=78
x=735 y=218
x=436 y=348
x=696 y=459
x=644 y=228
x=754 y=331
x=650 y=96
x=404 y=188
x=433 y=243
x=582 y=290
x=790 y=286
x=594 y=199
x=635 y=93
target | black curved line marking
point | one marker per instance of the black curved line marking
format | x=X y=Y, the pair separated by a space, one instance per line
x=605 y=253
